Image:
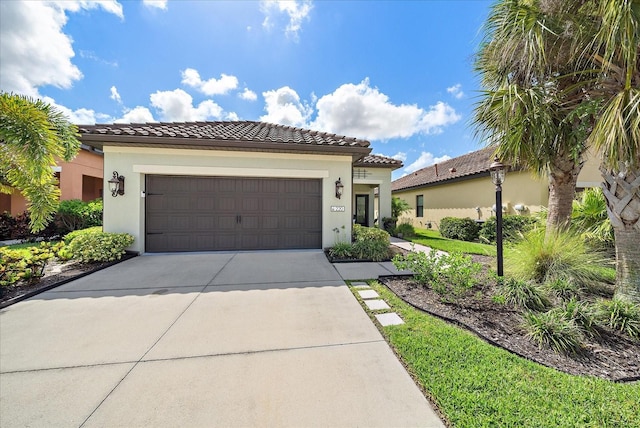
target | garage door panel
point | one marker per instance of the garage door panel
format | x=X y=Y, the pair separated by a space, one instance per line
x=229 y=213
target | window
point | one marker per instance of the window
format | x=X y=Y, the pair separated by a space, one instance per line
x=419 y=206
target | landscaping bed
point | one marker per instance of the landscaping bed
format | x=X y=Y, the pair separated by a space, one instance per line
x=55 y=274
x=611 y=355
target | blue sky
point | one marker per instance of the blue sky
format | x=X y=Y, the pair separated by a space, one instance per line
x=397 y=73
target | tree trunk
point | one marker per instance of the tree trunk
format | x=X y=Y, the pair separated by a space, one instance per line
x=622 y=191
x=563 y=176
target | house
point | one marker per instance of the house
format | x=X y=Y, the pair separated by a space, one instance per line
x=462 y=187
x=81 y=178
x=241 y=185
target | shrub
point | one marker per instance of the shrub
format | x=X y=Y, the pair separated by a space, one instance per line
x=590 y=219
x=621 y=315
x=582 y=314
x=406 y=229
x=560 y=255
x=554 y=330
x=447 y=274
x=7 y=224
x=513 y=227
x=524 y=294
x=100 y=247
x=341 y=250
x=375 y=250
x=75 y=214
x=15 y=266
x=72 y=235
x=562 y=288
x=463 y=229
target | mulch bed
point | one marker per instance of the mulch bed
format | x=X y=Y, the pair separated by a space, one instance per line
x=56 y=274
x=612 y=356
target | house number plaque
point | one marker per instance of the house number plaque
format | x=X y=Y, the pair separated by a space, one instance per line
x=337 y=209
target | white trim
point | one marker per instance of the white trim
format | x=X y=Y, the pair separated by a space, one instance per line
x=226 y=153
x=229 y=172
x=366 y=181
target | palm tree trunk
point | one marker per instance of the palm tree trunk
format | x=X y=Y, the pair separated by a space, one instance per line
x=622 y=191
x=563 y=176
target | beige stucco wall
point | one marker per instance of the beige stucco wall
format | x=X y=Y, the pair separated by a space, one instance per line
x=127 y=213
x=460 y=199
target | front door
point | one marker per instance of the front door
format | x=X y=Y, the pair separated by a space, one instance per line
x=362 y=210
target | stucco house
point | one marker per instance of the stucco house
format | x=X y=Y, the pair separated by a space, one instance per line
x=204 y=186
x=461 y=187
x=81 y=178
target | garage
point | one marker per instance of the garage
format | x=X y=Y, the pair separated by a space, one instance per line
x=186 y=213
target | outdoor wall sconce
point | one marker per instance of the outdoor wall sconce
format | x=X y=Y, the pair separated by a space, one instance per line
x=339 y=188
x=116 y=184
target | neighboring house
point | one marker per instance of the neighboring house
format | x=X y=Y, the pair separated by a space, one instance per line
x=205 y=186
x=462 y=187
x=81 y=178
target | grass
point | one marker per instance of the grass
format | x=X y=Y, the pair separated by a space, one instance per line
x=475 y=384
x=433 y=239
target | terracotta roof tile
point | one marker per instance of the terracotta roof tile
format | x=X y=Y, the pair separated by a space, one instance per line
x=378 y=161
x=239 y=131
x=466 y=165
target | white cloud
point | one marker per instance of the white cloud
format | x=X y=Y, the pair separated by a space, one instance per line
x=177 y=106
x=296 y=11
x=456 y=91
x=115 y=95
x=248 y=95
x=426 y=159
x=232 y=116
x=438 y=116
x=284 y=107
x=35 y=50
x=364 y=112
x=138 y=114
x=158 y=4
x=400 y=156
x=226 y=83
x=80 y=116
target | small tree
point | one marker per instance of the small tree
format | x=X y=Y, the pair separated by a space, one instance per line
x=398 y=207
x=32 y=135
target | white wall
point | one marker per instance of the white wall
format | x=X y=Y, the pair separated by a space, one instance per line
x=127 y=213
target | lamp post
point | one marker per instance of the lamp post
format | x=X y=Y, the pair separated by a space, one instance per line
x=498 y=171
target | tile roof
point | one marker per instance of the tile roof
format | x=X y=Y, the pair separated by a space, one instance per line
x=374 y=161
x=203 y=134
x=463 y=166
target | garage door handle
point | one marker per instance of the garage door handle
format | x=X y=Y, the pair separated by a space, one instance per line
x=155 y=194
x=238 y=219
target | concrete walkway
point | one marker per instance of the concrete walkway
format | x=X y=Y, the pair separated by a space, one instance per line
x=199 y=340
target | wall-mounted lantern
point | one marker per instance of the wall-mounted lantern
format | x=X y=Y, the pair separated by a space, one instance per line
x=116 y=184
x=339 y=188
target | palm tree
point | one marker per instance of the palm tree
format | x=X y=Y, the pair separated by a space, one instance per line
x=570 y=68
x=32 y=135
x=530 y=89
x=615 y=54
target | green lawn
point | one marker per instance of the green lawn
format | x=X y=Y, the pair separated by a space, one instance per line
x=433 y=239
x=475 y=384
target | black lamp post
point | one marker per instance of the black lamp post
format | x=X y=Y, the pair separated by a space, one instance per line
x=498 y=171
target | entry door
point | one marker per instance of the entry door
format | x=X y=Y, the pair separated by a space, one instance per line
x=362 y=210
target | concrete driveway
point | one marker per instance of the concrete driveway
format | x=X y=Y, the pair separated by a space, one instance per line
x=200 y=340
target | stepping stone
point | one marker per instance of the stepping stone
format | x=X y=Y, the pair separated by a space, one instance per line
x=368 y=294
x=389 y=319
x=376 y=305
x=360 y=284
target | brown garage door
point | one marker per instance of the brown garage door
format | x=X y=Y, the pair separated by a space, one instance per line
x=224 y=213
